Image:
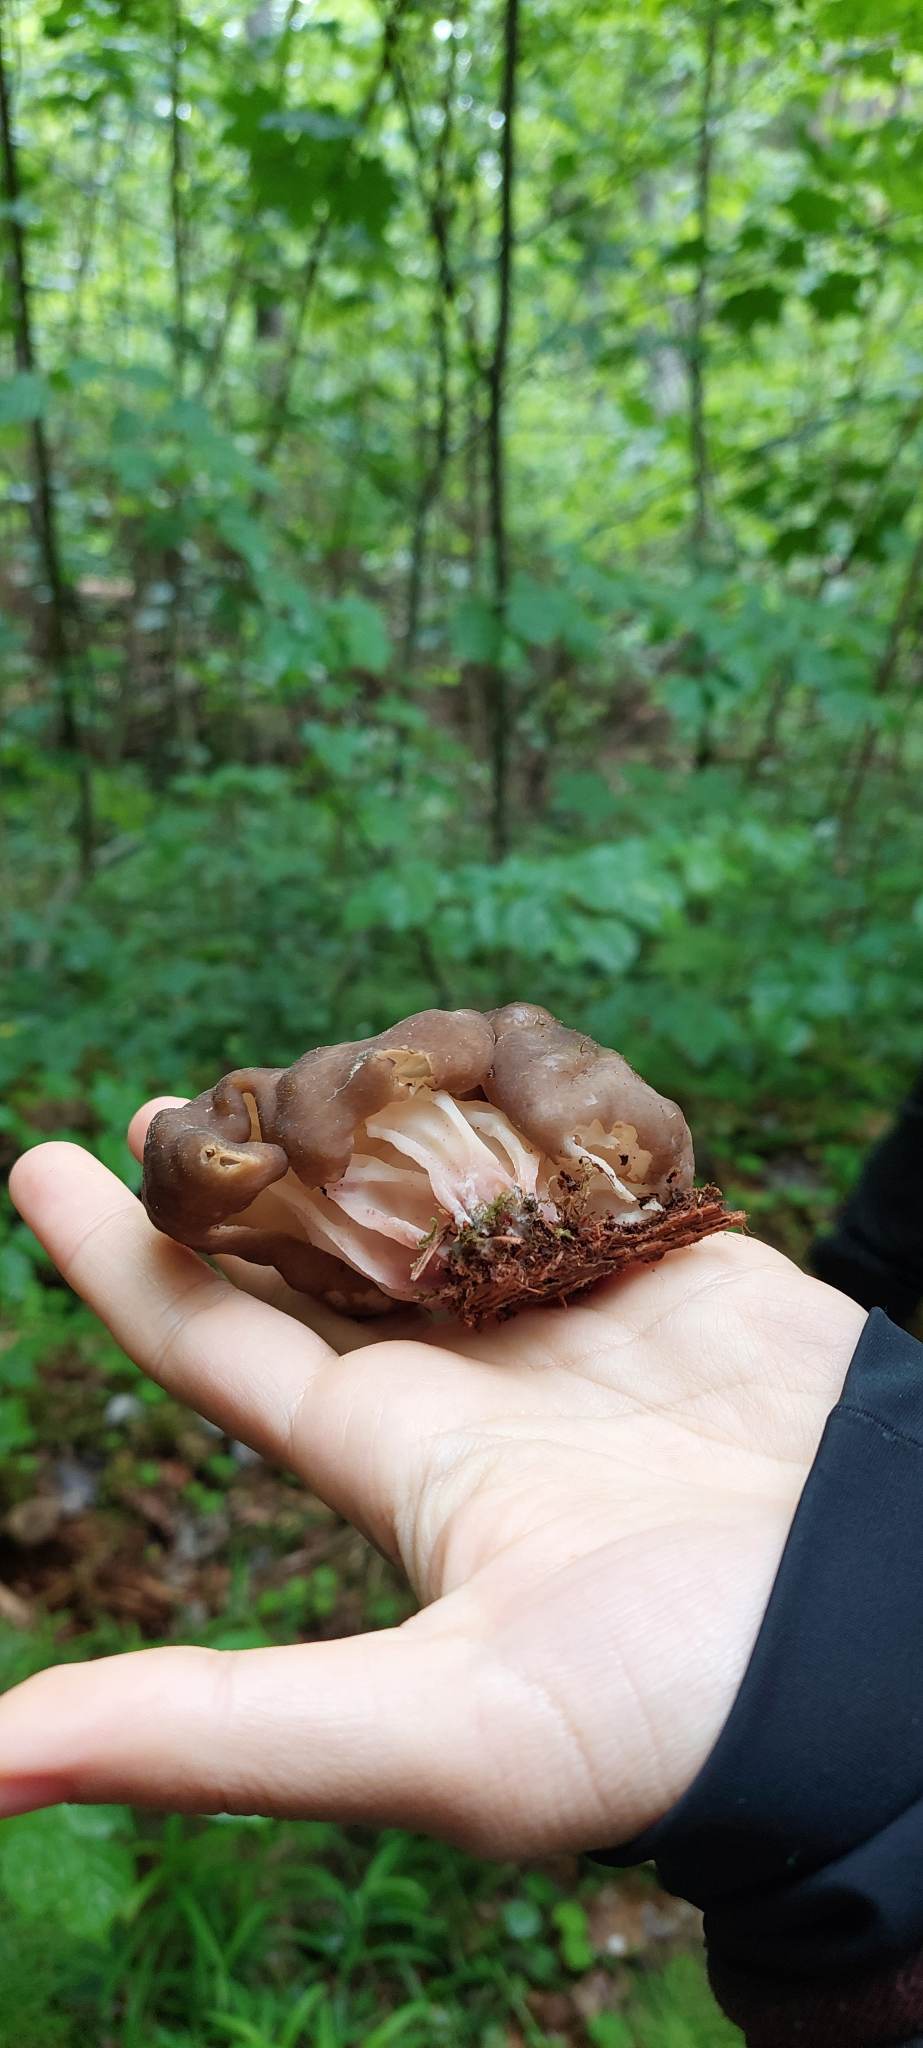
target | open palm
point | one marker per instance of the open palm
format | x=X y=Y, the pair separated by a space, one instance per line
x=590 y=1503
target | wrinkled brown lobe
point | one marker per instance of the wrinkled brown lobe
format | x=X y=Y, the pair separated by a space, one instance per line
x=207 y=1161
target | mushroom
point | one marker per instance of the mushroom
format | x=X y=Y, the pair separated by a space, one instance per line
x=470 y=1162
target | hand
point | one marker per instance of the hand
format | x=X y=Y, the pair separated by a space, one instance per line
x=590 y=1503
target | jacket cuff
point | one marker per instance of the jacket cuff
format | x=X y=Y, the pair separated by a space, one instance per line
x=881 y=2010
x=802 y=1837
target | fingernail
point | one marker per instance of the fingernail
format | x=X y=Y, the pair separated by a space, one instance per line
x=24 y=1795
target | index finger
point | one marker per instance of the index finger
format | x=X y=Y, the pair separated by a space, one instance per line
x=353 y=1426
x=234 y=1358
x=140 y=1123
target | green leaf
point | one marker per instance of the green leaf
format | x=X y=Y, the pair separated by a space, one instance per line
x=602 y=942
x=538 y=615
x=245 y=535
x=474 y=631
x=690 y=250
x=534 y=612
x=789 y=252
x=365 y=193
x=249 y=110
x=17 y=1366
x=815 y=211
x=16 y=1274
x=522 y=1919
x=525 y=925
x=586 y=794
x=577 y=1951
x=16 y=1432
x=68 y=1865
x=607 y=2030
x=399 y=901
x=410 y=2023
x=363 y=634
x=23 y=398
x=339 y=748
x=758 y=305
x=838 y=293
x=843 y=19
x=794 y=541
x=136 y=466
x=623 y=879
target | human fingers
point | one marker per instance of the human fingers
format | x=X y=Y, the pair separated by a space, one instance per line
x=263 y=1378
x=143 y=1118
x=179 y=1319
x=331 y=1730
x=354 y=1427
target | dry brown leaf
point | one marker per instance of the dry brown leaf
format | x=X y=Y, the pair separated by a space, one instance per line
x=150 y=1506
x=600 y=1991
x=35 y=1520
x=554 y=2010
x=13 y=1610
x=624 y=1919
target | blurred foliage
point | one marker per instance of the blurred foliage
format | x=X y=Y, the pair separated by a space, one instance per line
x=245 y=750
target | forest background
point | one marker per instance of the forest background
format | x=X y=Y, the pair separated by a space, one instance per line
x=460 y=537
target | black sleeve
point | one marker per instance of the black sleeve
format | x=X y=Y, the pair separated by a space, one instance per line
x=875 y=1251
x=802 y=1836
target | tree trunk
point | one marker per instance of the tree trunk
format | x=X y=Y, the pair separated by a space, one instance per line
x=43 y=507
x=499 y=701
x=181 y=713
x=699 y=456
x=177 y=175
x=698 y=428
x=435 y=439
x=264 y=34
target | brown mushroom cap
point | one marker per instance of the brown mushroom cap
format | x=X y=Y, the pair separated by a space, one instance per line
x=201 y=1163
x=318 y=1102
x=207 y=1161
x=553 y=1083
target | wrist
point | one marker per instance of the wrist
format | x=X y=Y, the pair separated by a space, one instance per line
x=802 y=1837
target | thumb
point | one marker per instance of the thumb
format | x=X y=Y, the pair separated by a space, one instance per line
x=356 y=1730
